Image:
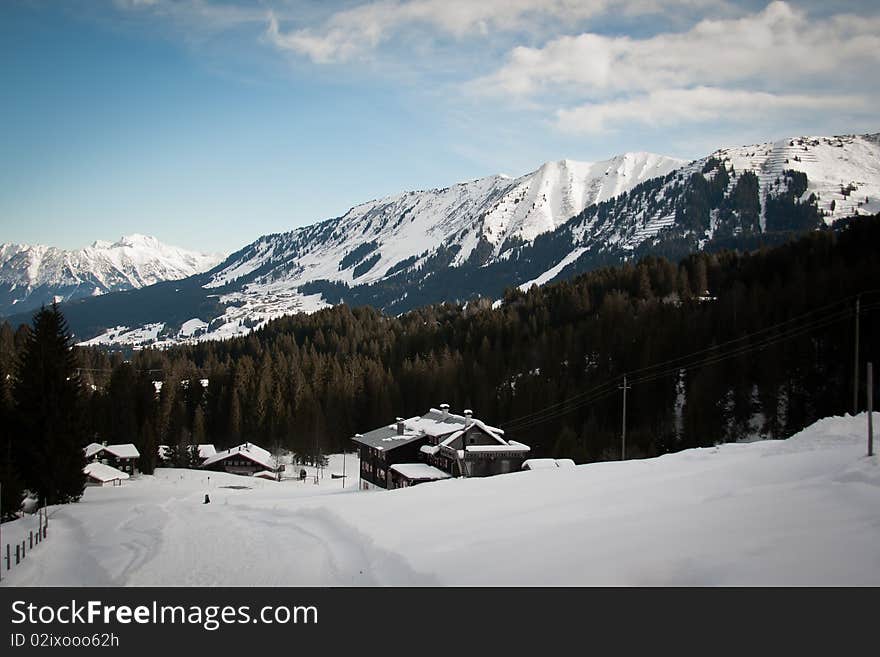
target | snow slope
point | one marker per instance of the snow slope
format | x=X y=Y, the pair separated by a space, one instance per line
x=796 y=512
x=31 y=275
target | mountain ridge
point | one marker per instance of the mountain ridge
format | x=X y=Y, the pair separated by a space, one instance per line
x=480 y=237
x=32 y=275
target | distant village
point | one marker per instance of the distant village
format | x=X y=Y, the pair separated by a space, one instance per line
x=431 y=447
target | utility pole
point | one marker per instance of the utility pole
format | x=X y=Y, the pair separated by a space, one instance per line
x=869 y=384
x=624 y=387
x=856 y=364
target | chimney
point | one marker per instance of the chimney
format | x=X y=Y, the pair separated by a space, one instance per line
x=468 y=417
x=399 y=426
x=444 y=409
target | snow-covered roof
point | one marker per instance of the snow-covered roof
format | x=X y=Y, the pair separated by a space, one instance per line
x=436 y=423
x=440 y=423
x=266 y=474
x=249 y=451
x=103 y=473
x=419 y=471
x=387 y=438
x=511 y=446
x=544 y=464
x=121 y=451
x=539 y=464
x=429 y=449
x=93 y=448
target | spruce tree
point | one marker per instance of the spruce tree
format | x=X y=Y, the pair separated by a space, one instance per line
x=13 y=492
x=49 y=409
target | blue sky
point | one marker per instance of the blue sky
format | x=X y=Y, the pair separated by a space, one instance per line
x=208 y=123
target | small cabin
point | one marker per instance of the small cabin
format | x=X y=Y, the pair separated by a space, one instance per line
x=123 y=456
x=245 y=459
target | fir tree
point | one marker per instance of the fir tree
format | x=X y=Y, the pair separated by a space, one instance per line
x=49 y=409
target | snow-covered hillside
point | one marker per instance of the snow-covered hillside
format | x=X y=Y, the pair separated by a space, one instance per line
x=843 y=170
x=797 y=512
x=33 y=275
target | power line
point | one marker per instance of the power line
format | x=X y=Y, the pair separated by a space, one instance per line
x=746 y=336
x=603 y=390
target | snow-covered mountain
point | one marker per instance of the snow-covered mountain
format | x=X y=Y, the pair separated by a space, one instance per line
x=481 y=220
x=483 y=236
x=731 y=197
x=34 y=275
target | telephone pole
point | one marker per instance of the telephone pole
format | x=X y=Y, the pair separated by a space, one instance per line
x=624 y=387
x=870 y=400
x=856 y=363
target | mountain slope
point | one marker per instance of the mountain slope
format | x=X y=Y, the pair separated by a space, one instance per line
x=34 y=275
x=480 y=237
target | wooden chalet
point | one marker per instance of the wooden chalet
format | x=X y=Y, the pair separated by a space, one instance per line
x=455 y=445
x=244 y=459
x=123 y=457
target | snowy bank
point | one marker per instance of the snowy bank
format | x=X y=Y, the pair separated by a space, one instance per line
x=796 y=512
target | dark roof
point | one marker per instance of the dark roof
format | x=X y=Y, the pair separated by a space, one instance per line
x=386 y=438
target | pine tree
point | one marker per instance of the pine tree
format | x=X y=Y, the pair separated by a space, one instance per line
x=49 y=410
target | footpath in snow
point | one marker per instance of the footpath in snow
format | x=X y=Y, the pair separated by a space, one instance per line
x=796 y=512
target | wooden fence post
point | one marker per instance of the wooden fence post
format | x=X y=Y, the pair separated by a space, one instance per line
x=31 y=539
x=17 y=554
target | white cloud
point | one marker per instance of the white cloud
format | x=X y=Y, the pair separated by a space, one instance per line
x=779 y=43
x=769 y=63
x=359 y=30
x=666 y=107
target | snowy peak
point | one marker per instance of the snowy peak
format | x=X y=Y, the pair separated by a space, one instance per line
x=33 y=275
x=548 y=197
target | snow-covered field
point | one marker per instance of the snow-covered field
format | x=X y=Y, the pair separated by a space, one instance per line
x=796 y=512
